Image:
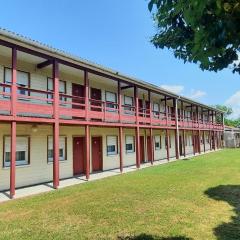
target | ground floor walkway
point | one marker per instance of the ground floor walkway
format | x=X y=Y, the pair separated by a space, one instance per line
x=47 y=187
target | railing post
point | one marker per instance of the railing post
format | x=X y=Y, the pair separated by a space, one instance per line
x=87 y=149
x=56 y=124
x=86 y=84
x=13 y=124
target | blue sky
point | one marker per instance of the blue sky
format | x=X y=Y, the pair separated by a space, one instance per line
x=116 y=34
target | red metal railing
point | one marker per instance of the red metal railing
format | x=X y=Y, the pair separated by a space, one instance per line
x=39 y=103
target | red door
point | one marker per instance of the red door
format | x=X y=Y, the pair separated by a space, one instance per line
x=142 y=157
x=78 y=91
x=96 y=94
x=97 y=153
x=149 y=150
x=78 y=155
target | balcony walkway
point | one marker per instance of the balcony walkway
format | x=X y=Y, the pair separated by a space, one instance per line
x=47 y=187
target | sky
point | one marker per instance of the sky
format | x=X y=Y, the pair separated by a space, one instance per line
x=116 y=34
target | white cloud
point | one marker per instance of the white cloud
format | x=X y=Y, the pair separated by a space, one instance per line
x=234 y=103
x=178 y=89
x=196 y=94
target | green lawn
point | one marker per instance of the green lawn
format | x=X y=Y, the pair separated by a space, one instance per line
x=197 y=198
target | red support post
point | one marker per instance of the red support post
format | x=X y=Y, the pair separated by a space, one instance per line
x=137 y=128
x=13 y=160
x=183 y=143
x=14 y=83
x=86 y=93
x=137 y=147
x=214 y=141
x=204 y=144
x=13 y=124
x=87 y=148
x=150 y=106
x=121 y=148
x=166 y=110
x=210 y=139
x=167 y=143
x=151 y=145
x=177 y=129
x=56 y=124
x=119 y=101
x=193 y=142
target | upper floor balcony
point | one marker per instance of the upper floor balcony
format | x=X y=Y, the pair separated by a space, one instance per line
x=35 y=89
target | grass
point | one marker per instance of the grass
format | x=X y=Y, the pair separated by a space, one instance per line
x=198 y=198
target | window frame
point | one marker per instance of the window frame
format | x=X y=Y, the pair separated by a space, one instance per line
x=10 y=83
x=133 y=150
x=49 y=90
x=61 y=160
x=160 y=142
x=27 y=163
x=111 y=104
x=116 y=151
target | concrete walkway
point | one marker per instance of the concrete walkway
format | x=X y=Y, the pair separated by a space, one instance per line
x=47 y=187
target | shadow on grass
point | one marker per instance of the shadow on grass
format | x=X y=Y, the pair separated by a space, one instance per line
x=152 y=237
x=231 y=195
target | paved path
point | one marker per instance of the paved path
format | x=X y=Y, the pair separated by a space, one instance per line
x=47 y=187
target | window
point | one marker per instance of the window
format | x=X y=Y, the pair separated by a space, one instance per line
x=112 y=145
x=22 y=151
x=62 y=148
x=129 y=144
x=128 y=101
x=62 y=88
x=111 y=99
x=158 y=144
x=156 y=109
x=23 y=80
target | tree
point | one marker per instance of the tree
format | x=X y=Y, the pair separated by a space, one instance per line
x=206 y=32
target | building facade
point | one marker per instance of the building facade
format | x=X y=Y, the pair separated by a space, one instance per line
x=63 y=116
x=231 y=137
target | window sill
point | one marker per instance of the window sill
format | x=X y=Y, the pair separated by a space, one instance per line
x=17 y=166
x=60 y=161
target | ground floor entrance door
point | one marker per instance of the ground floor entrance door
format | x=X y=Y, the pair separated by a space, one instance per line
x=97 y=164
x=78 y=155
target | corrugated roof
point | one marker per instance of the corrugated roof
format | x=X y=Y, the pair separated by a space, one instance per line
x=34 y=43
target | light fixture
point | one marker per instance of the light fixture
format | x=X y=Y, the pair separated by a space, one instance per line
x=34 y=128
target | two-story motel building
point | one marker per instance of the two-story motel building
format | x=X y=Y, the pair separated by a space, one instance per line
x=63 y=116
